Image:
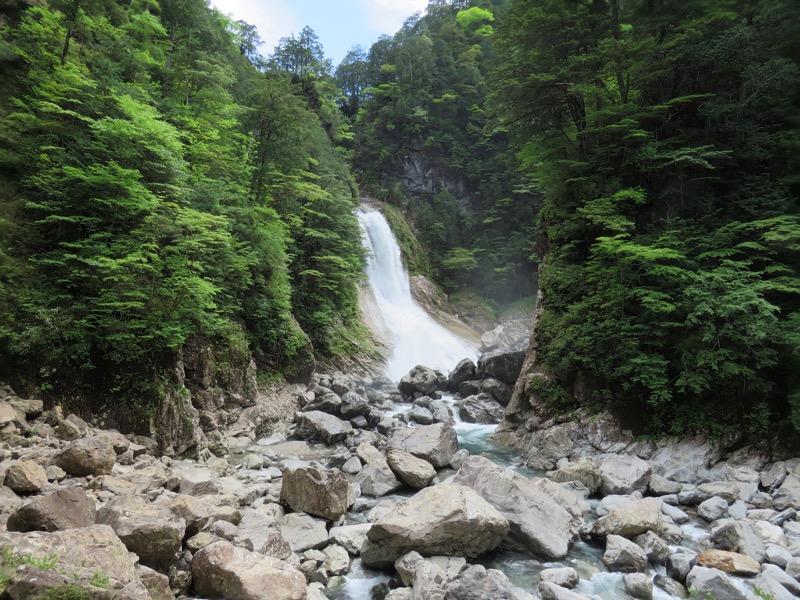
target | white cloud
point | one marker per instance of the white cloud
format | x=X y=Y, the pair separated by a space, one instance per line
x=387 y=16
x=274 y=19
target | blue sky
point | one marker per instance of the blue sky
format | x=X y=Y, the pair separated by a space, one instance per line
x=339 y=24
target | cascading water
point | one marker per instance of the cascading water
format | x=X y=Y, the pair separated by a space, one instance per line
x=416 y=338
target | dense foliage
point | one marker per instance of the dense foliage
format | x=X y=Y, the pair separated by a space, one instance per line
x=663 y=136
x=424 y=142
x=161 y=181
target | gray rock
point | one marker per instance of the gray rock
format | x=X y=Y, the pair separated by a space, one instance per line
x=421 y=415
x=501 y=365
x=670 y=586
x=222 y=570
x=480 y=409
x=551 y=591
x=354 y=405
x=479 y=583
x=788 y=494
x=583 y=470
x=656 y=549
x=434 y=443
x=638 y=585
x=445 y=519
x=303 y=532
x=337 y=560
x=739 y=536
x=25 y=476
x=423 y=380
x=317 y=425
x=350 y=537
x=156 y=584
x=674 y=513
x=661 y=486
x=778 y=555
x=498 y=390
x=320 y=492
x=711 y=581
x=623 y=474
x=66 y=509
x=195 y=480
x=352 y=465
x=773 y=475
x=87 y=456
x=463 y=371
x=679 y=564
x=409 y=469
x=623 y=555
x=566 y=577
x=781 y=577
x=712 y=509
x=538 y=523
x=631 y=519
x=261 y=533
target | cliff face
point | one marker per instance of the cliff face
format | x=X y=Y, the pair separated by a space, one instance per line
x=420 y=173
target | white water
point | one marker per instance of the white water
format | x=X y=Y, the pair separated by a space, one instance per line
x=417 y=339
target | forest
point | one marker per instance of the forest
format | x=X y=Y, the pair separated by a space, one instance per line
x=163 y=178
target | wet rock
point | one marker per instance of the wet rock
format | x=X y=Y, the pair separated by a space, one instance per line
x=638 y=585
x=712 y=509
x=320 y=492
x=223 y=570
x=434 y=443
x=480 y=409
x=479 y=583
x=566 y=577
x=155 y=534
x=702 y=581
x=303 y=532
x=631 y=519
x=729 y=562
x=445 y=519
x=422 y=380
x=583 y=470
x=317 y=425
x=87 y=456
x=25 y=476
x=412 y=471
x=463 y=371
x=623 y=555
x=504 y=366
x=537 y=523
x=66 y=509
x=623 y=474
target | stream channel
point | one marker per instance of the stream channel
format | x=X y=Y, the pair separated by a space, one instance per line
x=418 y=339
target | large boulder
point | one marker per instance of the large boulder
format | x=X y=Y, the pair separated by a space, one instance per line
x=194 y=480
x=199 y=511
x=729 y=562
x=788 y=494
x=504 y=366
x=631 y=519
x=221 y=570
x=154 y=533
x=711 y=582
x=66 y=509
x=320 y=492
x=463 y=371
x=88 y=456
x=551 y=591
x=422 y=380
x=319 y=426
x=262 y=533
x=623 y=555
x=445 y=519
x=480 y=583
x=25 y=476
x=303 y=532
x=412 y=471
x=480 y=409
x=538 y=524
x=434 y=443
x=623 y=474
x=583 y=470
x=350 y=537
x=739 y=536
x=375 y=478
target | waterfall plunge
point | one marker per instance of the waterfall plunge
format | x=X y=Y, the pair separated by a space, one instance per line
x=417 y=339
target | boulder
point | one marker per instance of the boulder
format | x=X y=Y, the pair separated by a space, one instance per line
x=729 y=562
x=25 y=476
x=670 y=586
x=445 y=519
x=656 y=549
x=354 y=405
x=66 y=509
x=319 y=492
x=661 y=486
x=412 y=471
x=350 y=537
x=623 y=474
x=566 y=577
x=504 y=366
x=739 y=536
x=194 y=480
x=154 y=533
x=679 y=564
x=551 y=591
x=156 y=584
x=480 y=409
x=261 y=533
x=222 y=570
x=787 y=495
x=376 y=478
x=422 y=380
x=320 y=426
x=623 y=555
x=199 y=511
x=463 y=371
x=88 y=456
x=303 y=532
x=704 y=581
x=434 y=443
x=631 y=519
x=337 y=560
x=583 y=470
x=782 y=578
x=480 y=583
x=712 y=509
x=727 y=490
x=538 y=524
x=421 y=415
x=498 y=390
x=638 y=585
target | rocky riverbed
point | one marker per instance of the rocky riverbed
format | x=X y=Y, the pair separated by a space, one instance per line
x=379 y=490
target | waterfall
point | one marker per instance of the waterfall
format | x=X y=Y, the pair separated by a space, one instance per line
x=416 y=338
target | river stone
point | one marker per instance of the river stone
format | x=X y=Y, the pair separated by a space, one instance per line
x=551 y=591
x=445 y=519
x=9 y=501
x=66 y=509
x=319 y=492
x=463 y=371
x=739 y=536
x=354 y=405
x=773 y=475
x=679 y=564
x=87 y=456
x=154 y=533
x=638 y=585
x=566 y=577
x=376 y=478
x=623 y=474
x=157 y=584
x=337 y=560
x=657 y=550
x=81 y=551
x=772 y=589
x=631 y=519
x=537 y=523
x=782 y=578
x=661 y=486
x=421 y=379
x=195 y=480
x=670 y=586
x=702 y=581
x=729 y=562
x=303 y=532
x=712 y=509
x=329 y=403
x=199 y=511
x=480 y=409
x=504 y=366
x=351 y=537
x=623 y=555
x=480 y=583
x=548 y=446
x=728 y=490
x=222 y=570
x=420 y=415
x=262 y=533
x=498 y=390
x=778 y=555
x=788 y=494
x=434 y=443
x=412 y=471
x=317 y=425
x=25 y=476
x=583 y=470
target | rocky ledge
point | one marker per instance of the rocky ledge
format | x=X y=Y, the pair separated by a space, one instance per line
x=371 y=475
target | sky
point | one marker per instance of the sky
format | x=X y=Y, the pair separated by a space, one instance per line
x=339 y=24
